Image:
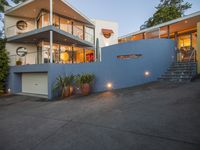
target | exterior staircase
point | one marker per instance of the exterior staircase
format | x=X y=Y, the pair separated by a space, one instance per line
x=180 y=72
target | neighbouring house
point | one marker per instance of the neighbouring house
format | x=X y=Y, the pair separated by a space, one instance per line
x=183 y=30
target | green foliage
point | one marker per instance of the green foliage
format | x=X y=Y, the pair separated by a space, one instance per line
x=4 y=60
x=85 y=78
x=6 y=3
x=62 y=82
x=167 y=10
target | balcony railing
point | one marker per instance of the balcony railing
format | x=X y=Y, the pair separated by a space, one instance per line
x=43 y=57
x=77 y=31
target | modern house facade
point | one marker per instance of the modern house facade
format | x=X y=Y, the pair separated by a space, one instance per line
x=51 y=31
x=49 y=38
x=185 y=32
x=57 y=34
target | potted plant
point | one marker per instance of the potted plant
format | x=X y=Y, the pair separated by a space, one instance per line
x=19 y=62
x=69 y=80
x=60 y=85
x=85 y=82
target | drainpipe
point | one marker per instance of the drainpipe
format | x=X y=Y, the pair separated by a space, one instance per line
x=51 y=32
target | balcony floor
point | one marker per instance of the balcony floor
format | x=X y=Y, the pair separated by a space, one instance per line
x=59 y=36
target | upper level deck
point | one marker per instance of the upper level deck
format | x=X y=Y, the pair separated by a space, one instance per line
x=33 y=16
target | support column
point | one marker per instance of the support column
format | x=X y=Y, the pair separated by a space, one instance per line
x=198 y=48
x=51 y=32
x=51 y=46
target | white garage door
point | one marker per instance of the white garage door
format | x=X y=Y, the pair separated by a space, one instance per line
x=35 y=83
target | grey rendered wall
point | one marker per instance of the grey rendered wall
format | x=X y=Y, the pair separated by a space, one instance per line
x=158 y=54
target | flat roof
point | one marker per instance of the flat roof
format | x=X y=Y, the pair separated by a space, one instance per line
x=161 y=25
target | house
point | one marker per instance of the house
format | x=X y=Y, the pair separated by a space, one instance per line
x=183 y=30
x=51 y=31
x=50 y=37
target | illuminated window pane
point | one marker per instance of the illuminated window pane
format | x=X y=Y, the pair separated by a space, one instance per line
x=90 y=55
x=78 y=30
x=66 y=25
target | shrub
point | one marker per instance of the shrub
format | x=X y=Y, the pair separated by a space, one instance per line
x=4 y=60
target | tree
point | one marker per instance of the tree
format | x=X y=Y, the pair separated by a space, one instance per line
x=4 y=60
x=167 y=10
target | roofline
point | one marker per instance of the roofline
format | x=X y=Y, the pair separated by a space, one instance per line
x=66 y=3
x=161 y=25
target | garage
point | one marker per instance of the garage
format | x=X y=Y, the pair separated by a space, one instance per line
x=35 y=83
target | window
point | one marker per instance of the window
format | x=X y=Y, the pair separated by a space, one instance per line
x=66 y=25
x=22 y=25
x=90 y=55
x=79 y=55
x=65 y=54
x=78 y=30
x=89 y=34
x=153 y=34
x=46 y=20
x=56 y=21
x=130 y=56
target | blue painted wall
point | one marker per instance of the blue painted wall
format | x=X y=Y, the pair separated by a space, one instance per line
x=157 y=56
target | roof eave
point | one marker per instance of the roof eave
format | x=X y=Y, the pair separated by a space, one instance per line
x=161 y=25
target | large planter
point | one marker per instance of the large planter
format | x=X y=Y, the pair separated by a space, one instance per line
x=68 y=91
x=85 y=89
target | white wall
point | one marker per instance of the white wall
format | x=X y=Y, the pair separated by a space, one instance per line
x=103 y=24
x=30 y=58
x=10 y=25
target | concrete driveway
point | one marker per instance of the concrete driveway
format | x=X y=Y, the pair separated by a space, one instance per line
x=156 y=116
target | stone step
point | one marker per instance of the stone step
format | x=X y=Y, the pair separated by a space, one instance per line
x=176 y=76
x=175 y=79
x=180 y=72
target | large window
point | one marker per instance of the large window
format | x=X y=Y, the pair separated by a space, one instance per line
x=66 y=25
x=78 y=30
x=64 y=54
x=89 y=34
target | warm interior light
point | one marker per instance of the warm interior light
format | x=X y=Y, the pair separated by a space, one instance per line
x=109 y=85
x=146 y=73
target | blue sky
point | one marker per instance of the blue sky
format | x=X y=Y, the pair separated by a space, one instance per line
x=130 y=14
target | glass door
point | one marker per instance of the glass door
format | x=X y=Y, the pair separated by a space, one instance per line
x=184 y=47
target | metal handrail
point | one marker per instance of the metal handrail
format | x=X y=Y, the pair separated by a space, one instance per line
x=192 y=55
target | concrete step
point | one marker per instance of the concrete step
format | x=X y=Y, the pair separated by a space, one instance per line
x=180 y=72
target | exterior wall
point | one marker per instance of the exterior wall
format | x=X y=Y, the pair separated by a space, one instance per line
x=30 y=58
x=157 y=56
x=198 y=48
x=10 y=25
x=102 y=24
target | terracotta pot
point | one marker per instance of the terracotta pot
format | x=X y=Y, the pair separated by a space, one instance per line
x=68 y=91
x=85 y=89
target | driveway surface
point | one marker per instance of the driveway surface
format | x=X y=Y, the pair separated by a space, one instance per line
x=155 y=116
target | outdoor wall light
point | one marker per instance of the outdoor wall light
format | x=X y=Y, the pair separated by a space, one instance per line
x=109 y=85
x=9 y=91
x=146 y=73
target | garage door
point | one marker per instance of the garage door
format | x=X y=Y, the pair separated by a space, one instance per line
x=35 y=83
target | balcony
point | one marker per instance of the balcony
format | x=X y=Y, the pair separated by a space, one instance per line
x=62 y=54
x=33 y=31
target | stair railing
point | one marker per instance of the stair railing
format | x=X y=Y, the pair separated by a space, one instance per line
x=193 y=54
